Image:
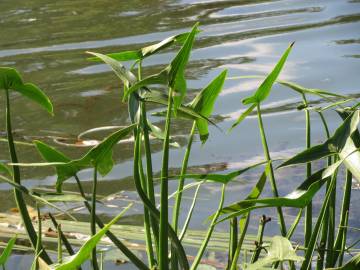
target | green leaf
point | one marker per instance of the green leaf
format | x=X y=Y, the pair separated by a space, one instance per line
x=340 y=143
x=84 y=252
x=176 y=69
x=125 y=75
x=7 y=251
x=264 y=90
x=352 y=264
x=5 y=170
x=280 y=250
x=34 y=93
x=298 y=198
x=243 y=116
x=148 y=50
x=100 y=156
x=11 y=79
x=218 y=178
x=61 y=197
x=204 y=101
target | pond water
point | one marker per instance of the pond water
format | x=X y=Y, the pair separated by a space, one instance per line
x=46 y=40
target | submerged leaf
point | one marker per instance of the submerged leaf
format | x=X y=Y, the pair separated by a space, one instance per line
x=264 y=90
x=280 y=250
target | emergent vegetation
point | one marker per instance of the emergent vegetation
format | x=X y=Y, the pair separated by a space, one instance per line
x=324 y=240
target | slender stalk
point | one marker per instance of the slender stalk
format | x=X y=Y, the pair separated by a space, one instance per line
x=16 y=178
x=331 y=230
x=176 y=211
x=209 y=232
x=344 y=217
x=178 y=197
x=311 y=247
x=189 y=215
x=308 y=212
x=60 y=254
x=233 y=240
x=163 y=233
x=325 y=224
x=65 y=241
x=127 y=252
x=259 y=238
x=94 y=262
x=149 y=246
x=294 y=225
x=244 y=223
x=149 y=188
x=38 y=249
x=153 y=210
x=343 y=243
x=271 y=171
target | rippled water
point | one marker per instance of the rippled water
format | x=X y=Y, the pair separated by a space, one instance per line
x=46 y=41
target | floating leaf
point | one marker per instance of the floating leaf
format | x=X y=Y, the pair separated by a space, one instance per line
x=264 y=90
x=11 y=79
x=280 y=250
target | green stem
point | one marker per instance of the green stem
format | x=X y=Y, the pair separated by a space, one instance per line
x=308 y=212
x=153 y=210
x=60 y=254
x=163 y=233
x=244 y=223
x=233 y=240
x=176 y=211
x=344 y=217
x=127 y=252
x=271 y=171
x=209 y=232
x=331 y=230
x=311 y=247
x=149 y=246
x=94 y=262
x=259 y=238
x=16 y=178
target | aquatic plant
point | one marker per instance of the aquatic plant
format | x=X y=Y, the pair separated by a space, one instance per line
x=322 y=237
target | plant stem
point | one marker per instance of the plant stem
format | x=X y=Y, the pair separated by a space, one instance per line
x=209 y=232
x=271 y=171
x=308 y=213
x=163 y=233
x=16 y=178
x=153 y=211
x=149 y=246
x=256 y=254
x=311 y=247
x=344 y=217
x=127 y=252
x=94 y=262
x=176 y=211
x=60 y=255
x=233 y=240
x=244 y=223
